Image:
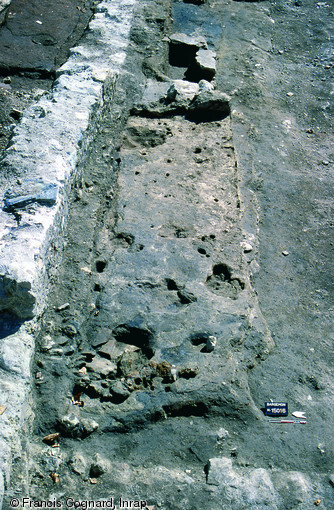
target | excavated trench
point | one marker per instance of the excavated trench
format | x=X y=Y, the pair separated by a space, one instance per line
x=150 y=328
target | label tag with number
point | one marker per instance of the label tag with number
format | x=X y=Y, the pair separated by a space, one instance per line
x=276 y=408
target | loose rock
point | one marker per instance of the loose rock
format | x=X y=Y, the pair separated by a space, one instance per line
x=102 y=367
x=208 y=106
x=78 y=464
x=99 y=466
x=187 y=40
x=206 y=62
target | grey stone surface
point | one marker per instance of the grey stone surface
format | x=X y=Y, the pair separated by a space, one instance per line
x=102 y=367
x=45 y=194
x=78 y=464
x=210 y=105
x=259 y=488
x=156 y=259
x=206 y=61
x=4 y=4
x=182 y=91
x=188 y=40
x=99 y=465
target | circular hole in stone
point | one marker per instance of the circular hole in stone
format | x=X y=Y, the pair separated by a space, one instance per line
x=202 y=251
x=100 y=266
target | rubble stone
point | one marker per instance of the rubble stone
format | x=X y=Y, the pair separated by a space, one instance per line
x=78 y=464
x=188 y=40
x=206 y=61
x=102 y=367
x=99 y=466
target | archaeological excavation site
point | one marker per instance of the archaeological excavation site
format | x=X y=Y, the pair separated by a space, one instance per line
x=166 y=254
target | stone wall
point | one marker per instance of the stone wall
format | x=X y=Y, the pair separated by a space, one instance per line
x=37 y=173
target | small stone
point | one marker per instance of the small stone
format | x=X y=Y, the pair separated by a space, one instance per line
x=47 y=343
x=83 y=371
x=206 y=61
x=325 y=162
x=93 y=481
x=71 y=425
x=210 y=343
x=317 y=502
x=38 y=375
x=89 y=426
x=103 y=336
x=246 y=247
x=218 y=469
x=70 y=330
x=111 y=350
x=164 y=368
x=62 y=340
x=254 y=266
x=186 y=297
x=57 y=352
x=289 y=94
x=208 y=105
x=19 y=198
x=60 y=308
x=54 y=477
x=182 y=91
x=205 y=86
x=78 y=464
x=321 y=448
x=2 y=409
x=285 y=253
x=120 y=391
x=51 y=438
x=188 y=40
x=85 y=269
x=70 y=349
x=7 y=79
x=99 y=466
x=331 y=480
x=222 y=433
x=102 y=367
